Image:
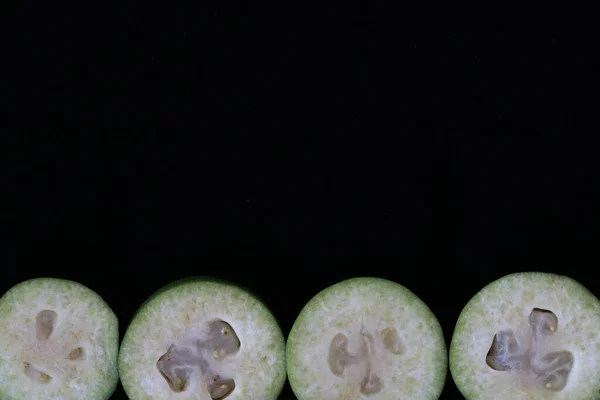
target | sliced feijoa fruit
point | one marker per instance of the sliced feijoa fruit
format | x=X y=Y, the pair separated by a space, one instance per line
x=58 y=340
x=203 y=339
x=366 y=338
x=528 y=335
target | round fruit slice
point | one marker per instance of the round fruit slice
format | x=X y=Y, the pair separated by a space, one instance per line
x=203 y=339
x=366 y=338
x=528 y=336
x=58 y=340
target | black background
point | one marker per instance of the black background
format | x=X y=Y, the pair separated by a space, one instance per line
x=289 y=149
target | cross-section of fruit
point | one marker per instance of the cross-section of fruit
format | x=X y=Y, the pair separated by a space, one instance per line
x=203 y=339
x=58 y=340
x=528 y=336
x=366 y=338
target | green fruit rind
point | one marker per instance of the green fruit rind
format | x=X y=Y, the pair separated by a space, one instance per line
x=95 y=327
x=176 y=311
x=196 y=279
x=372 y=302
x=507 y=303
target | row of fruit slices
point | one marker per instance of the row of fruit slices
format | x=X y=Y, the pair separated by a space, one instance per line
x=525 y=336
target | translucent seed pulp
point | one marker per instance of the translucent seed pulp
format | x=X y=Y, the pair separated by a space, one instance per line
x=35 y=374
x=340 y=357
x=549 y=370
x=77 y=354
x=178 y=364
x=45 y=325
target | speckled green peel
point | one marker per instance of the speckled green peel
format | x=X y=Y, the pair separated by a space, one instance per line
x=394 y=348
x=175 y=323
x=59 y=340
x=510 y=305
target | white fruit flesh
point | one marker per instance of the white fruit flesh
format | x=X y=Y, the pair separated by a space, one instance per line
x=181 y=316
x=395 y=346
x=58 y=340
x=512 y=304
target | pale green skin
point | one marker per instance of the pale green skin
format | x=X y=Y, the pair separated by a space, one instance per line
x=197 y=287
x=101 y=382
x=311 y=335
x=577 y=309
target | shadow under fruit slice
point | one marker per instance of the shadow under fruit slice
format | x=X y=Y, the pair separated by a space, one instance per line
x=529 y=335
x=58 y=340
x=203 y=339
x=366 y=338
